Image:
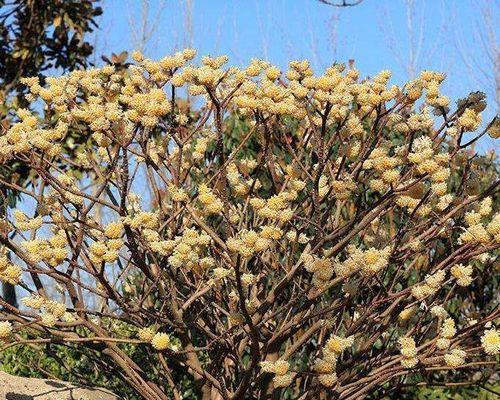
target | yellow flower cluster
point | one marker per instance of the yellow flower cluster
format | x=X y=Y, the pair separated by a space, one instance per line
x=439 y=311
x=444 y=201
x=470 y=120
x=300 y=238
x=5 y=329
x=210 y=202
x=160 y=341
x=320 y=267
x=385 y=167
x=106 y=247
x=51 y=311
x=490 y=341
x=493 y=227
x=69 y=187
x=201 y=145
x=100 y=115
x=142 y=220
x=478 y=232
x=100 y=110
x=369 y=261
x=275 y=208
x=463 y=274
x=146 y=108
x=267 y=95
x=187 y=250
x=24 y=223
x=455 y=358
x=374 y=260
x=159 y=70
x=113 y=98
x=146 y=333
x=420 y=121
x=323 y=186
x=431 y=81
x=343 y=188
x=105 y=251
x=9 y=272
x=247 y=165
x=25 y=135
x=281 y=370
x=34 y=301
x=178 y=194
x=53 y=251
x=250 y=242
x=371 y=94
x=209 y=74
x=240 y=186
x=430 y=286
x=431 y=164
x=326 y=365
x=337 y=344
x=408 y=351
x=447 y=331
x=407 y=313
x=113 y=230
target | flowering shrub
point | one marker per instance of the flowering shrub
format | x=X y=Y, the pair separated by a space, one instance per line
x=271 y=236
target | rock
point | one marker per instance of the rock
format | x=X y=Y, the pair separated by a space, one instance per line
x=17 y=388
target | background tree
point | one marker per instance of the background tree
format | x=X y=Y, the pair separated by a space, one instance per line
x=341 y=3
x=484 y=71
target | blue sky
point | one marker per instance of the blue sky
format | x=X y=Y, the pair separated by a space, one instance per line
x=458 y=37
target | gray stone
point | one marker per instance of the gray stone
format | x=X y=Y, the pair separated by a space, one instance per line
x=17 y=388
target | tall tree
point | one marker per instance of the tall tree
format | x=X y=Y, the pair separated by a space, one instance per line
x=341 y=3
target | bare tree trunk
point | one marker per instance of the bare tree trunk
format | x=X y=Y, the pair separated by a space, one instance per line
x=8 y=290
x=9 y=294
